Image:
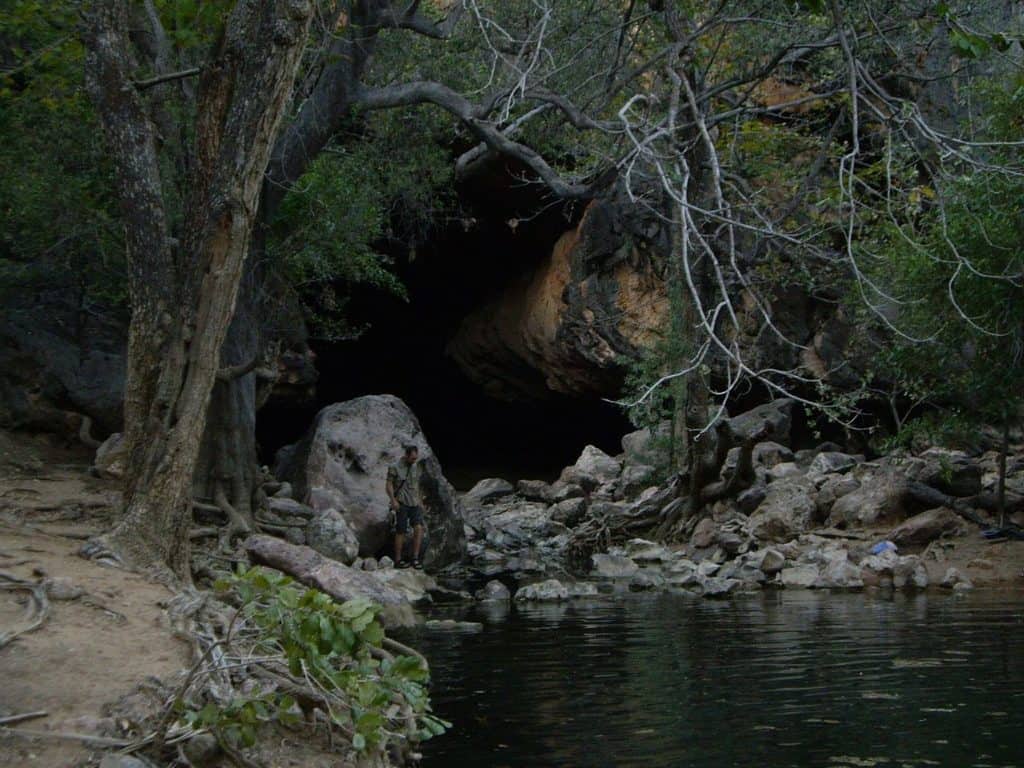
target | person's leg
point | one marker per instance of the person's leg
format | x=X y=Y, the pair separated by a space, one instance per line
x=401 y=529
x=417 y=542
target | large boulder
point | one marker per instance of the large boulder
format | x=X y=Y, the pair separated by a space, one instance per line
x=330 y=534
x=787 y=511
x=881 y=496
x=342 y=464
x=593 y=468
x=776 y=417
x=488 y=490
x=55 y=360
x=924 y=528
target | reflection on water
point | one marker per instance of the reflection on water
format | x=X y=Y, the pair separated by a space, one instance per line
x=783 y=679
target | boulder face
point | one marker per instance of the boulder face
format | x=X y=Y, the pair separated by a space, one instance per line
x=55 y=360
x=342 y=464
x=568 y=326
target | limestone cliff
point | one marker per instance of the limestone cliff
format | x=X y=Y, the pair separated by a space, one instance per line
x=568 y=326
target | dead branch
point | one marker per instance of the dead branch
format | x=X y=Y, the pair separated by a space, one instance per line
x=143 y=85
x=22 y=717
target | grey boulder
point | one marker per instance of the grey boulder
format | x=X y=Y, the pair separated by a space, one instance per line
x=342 y=464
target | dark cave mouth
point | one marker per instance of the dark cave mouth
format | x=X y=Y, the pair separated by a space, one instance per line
x=403 y=353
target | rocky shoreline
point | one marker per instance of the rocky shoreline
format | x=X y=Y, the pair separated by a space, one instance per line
x=810 y=518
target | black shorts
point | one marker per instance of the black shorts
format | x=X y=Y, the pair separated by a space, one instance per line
x=407 y=518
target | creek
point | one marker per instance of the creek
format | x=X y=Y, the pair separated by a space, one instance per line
x=772 y=680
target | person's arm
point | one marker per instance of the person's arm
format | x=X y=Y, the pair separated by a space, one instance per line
x=390 y=485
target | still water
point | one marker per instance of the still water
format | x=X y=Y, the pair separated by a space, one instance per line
x=782 y=679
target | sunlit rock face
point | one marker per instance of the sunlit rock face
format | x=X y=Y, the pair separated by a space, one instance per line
x=570 y=325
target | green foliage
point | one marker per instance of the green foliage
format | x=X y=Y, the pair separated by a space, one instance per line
x=337 y=648
x=358 y=201
x=56 y=192
x=954 y=259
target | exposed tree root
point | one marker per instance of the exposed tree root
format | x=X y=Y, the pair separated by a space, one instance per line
x=36 y=613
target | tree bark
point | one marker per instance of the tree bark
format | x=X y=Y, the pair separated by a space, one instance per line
x=183 y=301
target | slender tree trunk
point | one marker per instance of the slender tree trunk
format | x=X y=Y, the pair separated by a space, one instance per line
x=1004 y=449
x=174 y=346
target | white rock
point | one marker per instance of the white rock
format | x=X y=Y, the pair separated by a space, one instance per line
x=551 y=590
x=608 y=566
x=494 y=592
x=799 y=576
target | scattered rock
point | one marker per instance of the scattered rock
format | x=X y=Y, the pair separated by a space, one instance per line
x=63 y=588
x=951 y=472
x=644 y=580
x=770 y=454
x=636 y=478
x=783 y=470
x=286 y=507
x=642 y=551
x=833 y=462
x=787 y=511
x=111 y=457
x=494 y=592
x=749 y=499
x=772 y=561
x=593 y=468
x=583 y=589
x=284 y=491
x=840 y=573
x=201 y=749
x=535 y=490
x=569 y=512
x=551 y=590
x=776 y=417
x=799 y=576
x=451 y=625
x=613 y=566
x=703 y=535
x=953 y=577
x=330 y=534
x=488 y=490
x=718 y=587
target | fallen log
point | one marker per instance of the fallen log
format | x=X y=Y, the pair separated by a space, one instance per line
x=331 y=577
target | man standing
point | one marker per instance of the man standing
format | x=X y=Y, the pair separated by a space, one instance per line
x=404 y=496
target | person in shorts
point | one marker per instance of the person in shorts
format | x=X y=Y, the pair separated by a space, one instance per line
x=403 y=488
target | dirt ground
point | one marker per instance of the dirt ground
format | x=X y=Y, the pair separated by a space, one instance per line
x=93 y=649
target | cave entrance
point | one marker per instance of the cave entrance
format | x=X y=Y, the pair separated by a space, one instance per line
x=403 y=351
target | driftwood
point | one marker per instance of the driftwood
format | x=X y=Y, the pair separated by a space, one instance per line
x=329 y=576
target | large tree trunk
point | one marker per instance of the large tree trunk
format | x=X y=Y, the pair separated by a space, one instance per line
x=227 y=473
x=174 y=353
